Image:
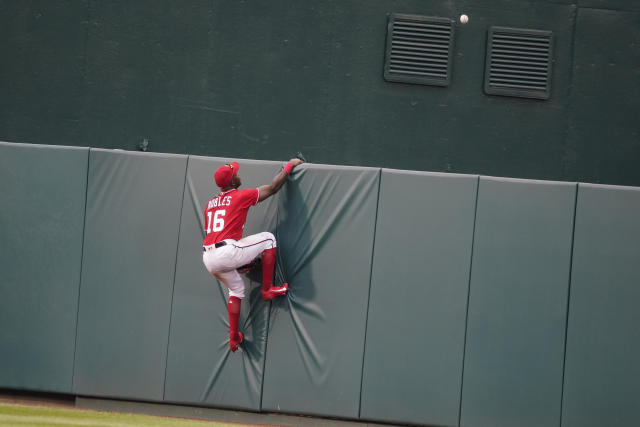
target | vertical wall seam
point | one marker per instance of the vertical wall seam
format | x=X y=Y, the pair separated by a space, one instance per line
x=366 y=323
x=266 y=344
x=173 y=285
x=566 y=324
x=266 y=338
x=86 y=195
x=466 y=320
x=84 y=227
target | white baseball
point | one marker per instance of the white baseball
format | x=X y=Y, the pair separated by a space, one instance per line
x=464 y=19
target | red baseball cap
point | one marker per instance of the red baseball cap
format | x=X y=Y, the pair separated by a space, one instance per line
x=224 y=175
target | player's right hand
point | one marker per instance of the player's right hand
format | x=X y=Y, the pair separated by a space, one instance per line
x=296 y=161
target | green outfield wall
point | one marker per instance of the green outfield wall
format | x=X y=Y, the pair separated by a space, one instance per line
x=43 y=190
x=250 y=79
x=416 y=298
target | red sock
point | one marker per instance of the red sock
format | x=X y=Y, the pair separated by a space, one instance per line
x=268 y=263
x=233 y=307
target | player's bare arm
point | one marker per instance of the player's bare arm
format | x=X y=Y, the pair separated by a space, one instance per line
x=267 y=191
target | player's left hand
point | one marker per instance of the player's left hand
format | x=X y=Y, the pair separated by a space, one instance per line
x=296 y=161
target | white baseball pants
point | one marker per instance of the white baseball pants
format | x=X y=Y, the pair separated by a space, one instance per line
x=222 y=262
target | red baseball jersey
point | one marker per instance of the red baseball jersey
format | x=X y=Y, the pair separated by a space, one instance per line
x=225 y=214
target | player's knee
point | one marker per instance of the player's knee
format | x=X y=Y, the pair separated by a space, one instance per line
x=271 y=238
x=238 y=294
x=236 y=289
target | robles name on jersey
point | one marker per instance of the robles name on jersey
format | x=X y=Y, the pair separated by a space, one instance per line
x=218 y=201
x=226 y=214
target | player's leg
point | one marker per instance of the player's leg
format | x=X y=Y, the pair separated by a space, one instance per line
x=265 y=243
x=269 y=291
x=214 y=261
x=233 y=281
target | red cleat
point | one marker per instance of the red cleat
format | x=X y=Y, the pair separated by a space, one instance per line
x=233 y=344
x=275 y=292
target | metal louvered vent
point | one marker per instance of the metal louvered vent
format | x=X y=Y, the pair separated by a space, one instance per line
x=419 y=50
x=519 y=63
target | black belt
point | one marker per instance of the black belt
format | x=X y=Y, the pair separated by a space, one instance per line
x=217 y=245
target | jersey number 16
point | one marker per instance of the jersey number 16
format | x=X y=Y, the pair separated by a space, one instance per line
x=218 y=221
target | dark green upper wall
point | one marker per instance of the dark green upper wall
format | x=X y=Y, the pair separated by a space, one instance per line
x=611 y=4
x=262 y=80
x=604 y=108
x=42 y=62
x=453 y=129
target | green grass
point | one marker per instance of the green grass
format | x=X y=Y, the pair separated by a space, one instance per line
x=16 y=415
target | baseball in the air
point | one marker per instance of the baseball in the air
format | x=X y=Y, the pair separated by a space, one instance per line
x=464 y=19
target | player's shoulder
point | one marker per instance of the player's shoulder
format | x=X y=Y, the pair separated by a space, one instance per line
x=250 y=195
x=250 y=192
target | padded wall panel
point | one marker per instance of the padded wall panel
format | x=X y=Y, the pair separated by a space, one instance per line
x=517 y=303
x=43 y=191
x=131 y=238
x=326 y=220
x=200 y=367
x=418 y=304
x=603 y=338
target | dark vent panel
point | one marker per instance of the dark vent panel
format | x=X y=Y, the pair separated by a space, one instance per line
x=519 y=63
x=419 y=50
